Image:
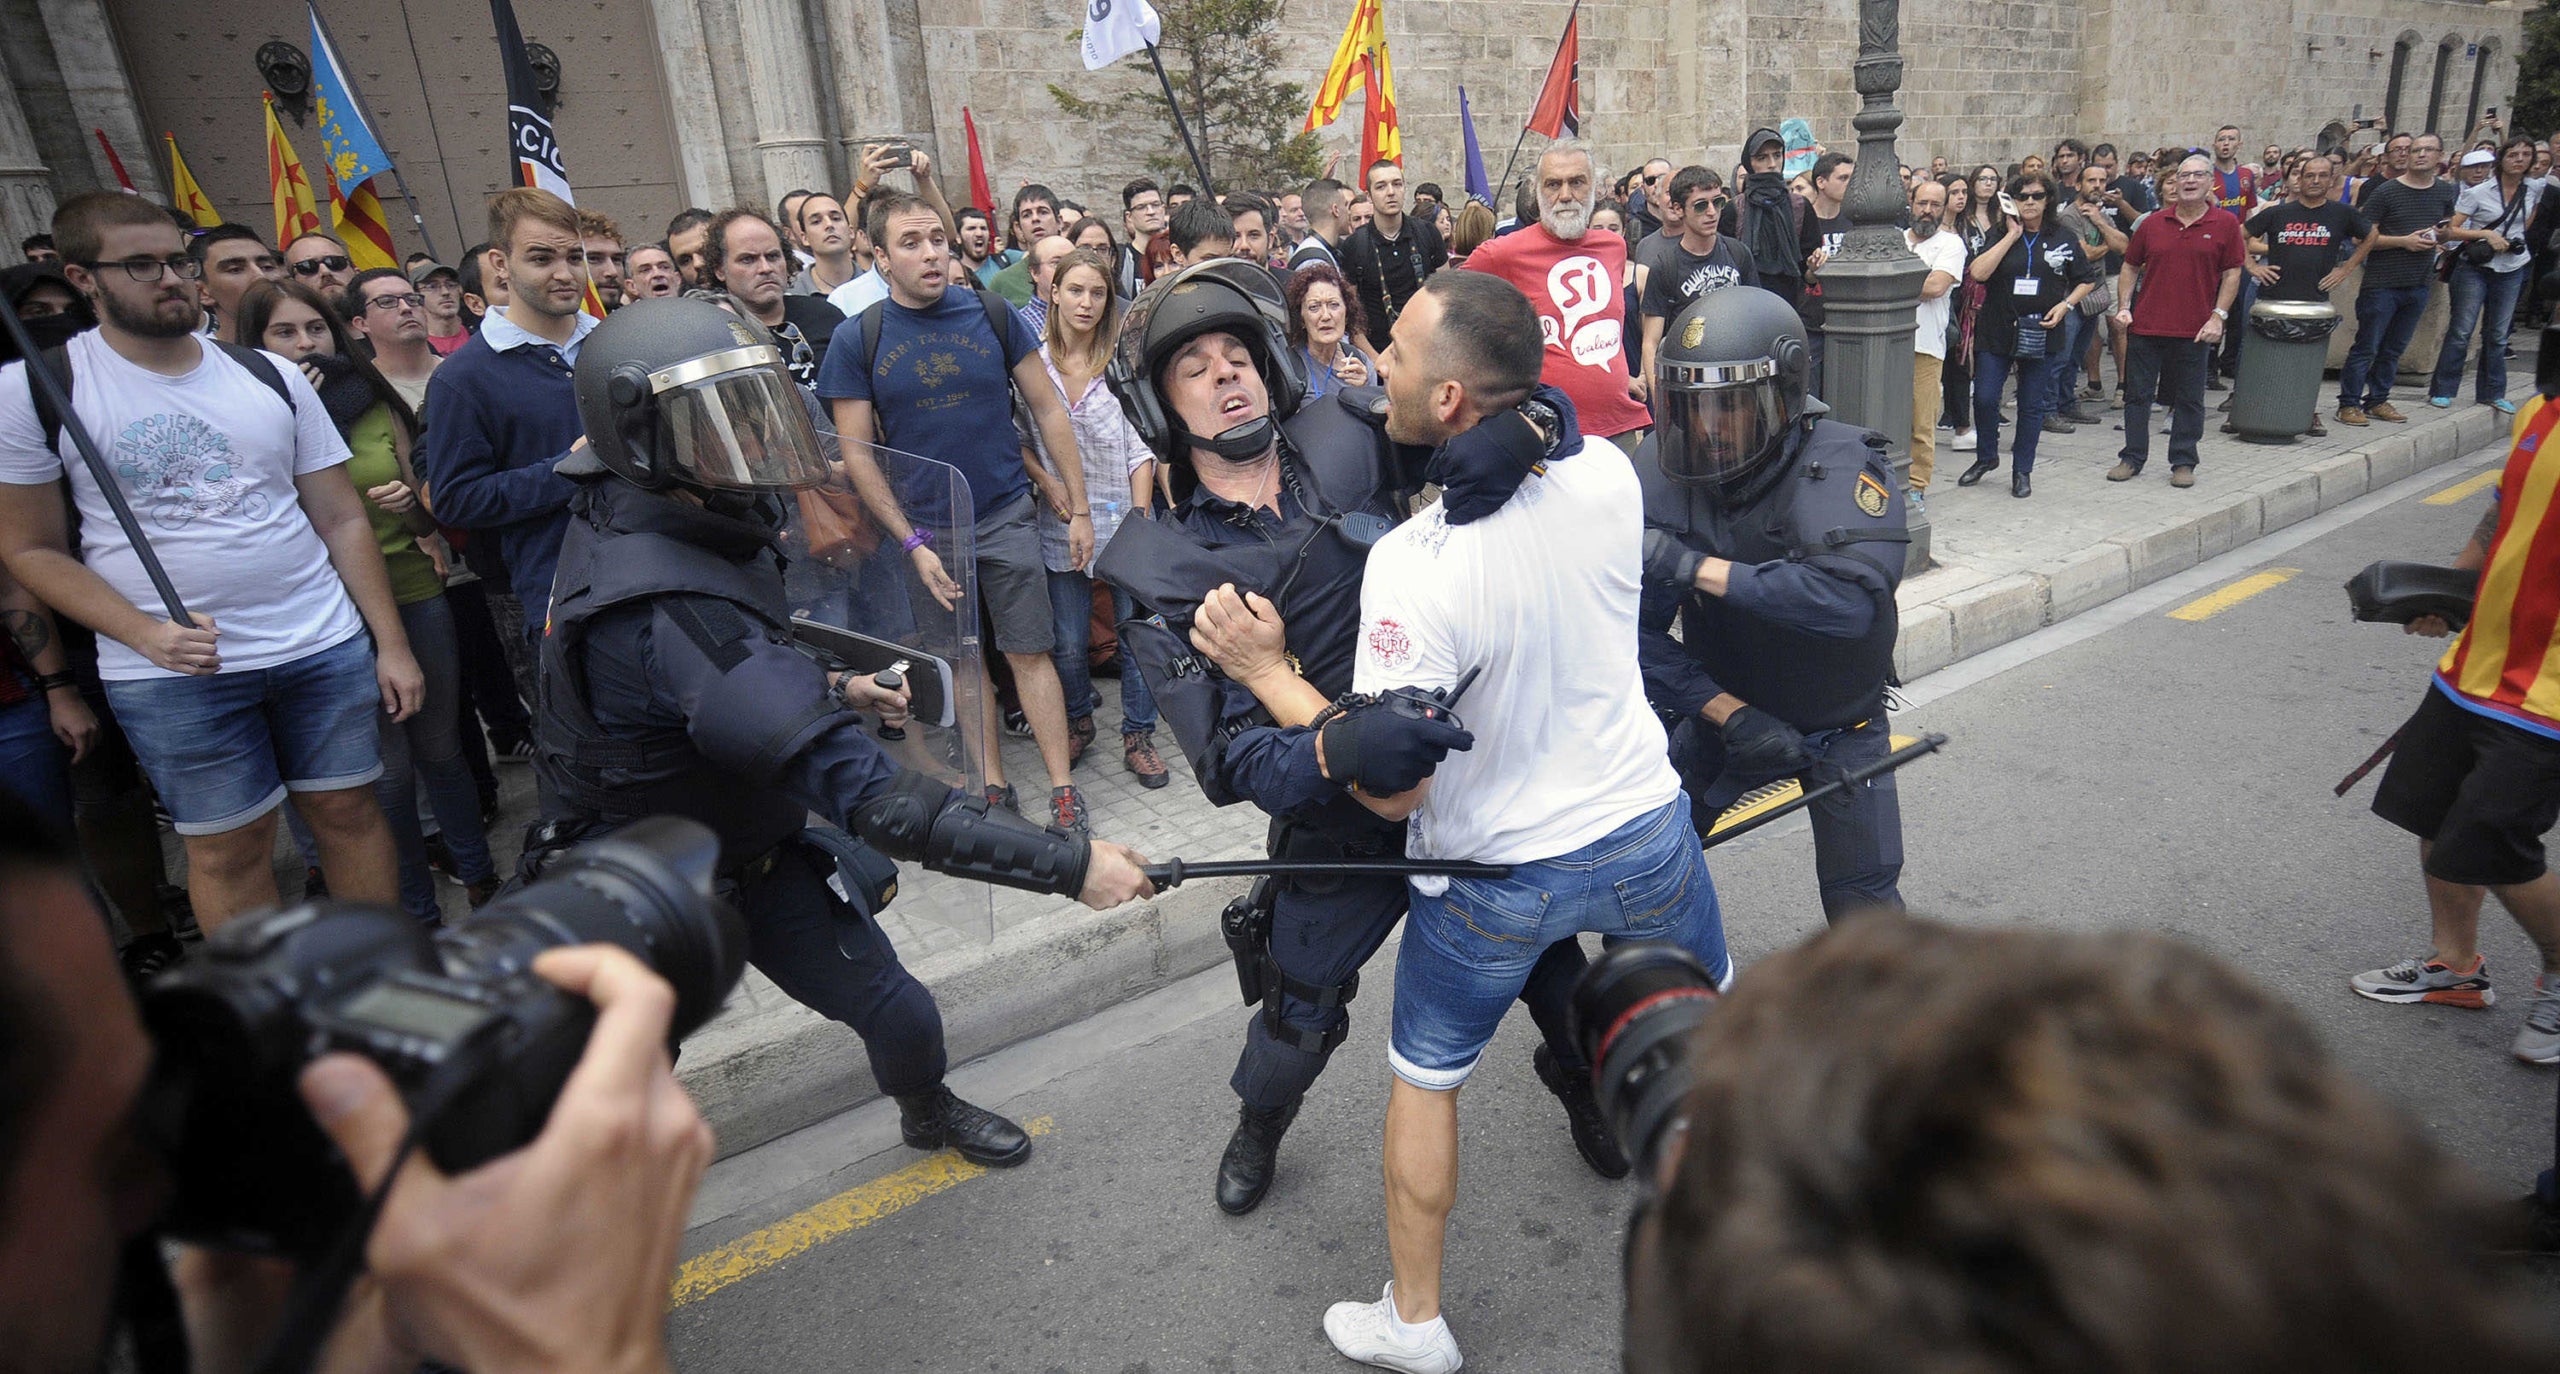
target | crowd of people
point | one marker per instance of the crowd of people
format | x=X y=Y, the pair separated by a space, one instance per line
x=385 y=497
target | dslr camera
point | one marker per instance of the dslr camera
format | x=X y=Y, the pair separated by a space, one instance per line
x=478 y=1044
x=1634 y=1012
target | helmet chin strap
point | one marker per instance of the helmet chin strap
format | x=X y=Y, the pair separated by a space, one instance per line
x=1245 y=441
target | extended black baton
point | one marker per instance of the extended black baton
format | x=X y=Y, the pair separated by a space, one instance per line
x=1173 y=873
x=48 y=391
x=1926 y=744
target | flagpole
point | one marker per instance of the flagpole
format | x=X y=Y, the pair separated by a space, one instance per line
x=1500 y=186
x=366 y=111
x=1197 y=164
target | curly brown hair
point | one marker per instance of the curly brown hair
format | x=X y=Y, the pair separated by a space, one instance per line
x=1916 y=1147
x=1355 y=321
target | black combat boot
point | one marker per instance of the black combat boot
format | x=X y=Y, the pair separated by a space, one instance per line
x=935 y=1119
x=1244 y=1174
x=1591 y=1133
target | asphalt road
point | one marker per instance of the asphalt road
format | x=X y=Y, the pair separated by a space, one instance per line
x=2124 y=769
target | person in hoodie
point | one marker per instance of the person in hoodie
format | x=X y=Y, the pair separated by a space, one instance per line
x=1773 y=221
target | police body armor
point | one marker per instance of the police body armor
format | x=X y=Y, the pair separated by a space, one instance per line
x=1833 y=500
x=611 y=780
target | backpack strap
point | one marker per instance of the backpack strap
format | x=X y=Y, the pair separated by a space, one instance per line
x=261 y=367
x=58 y=358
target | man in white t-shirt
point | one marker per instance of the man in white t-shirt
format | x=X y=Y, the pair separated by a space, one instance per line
x=1943 y=254
x=238 y=481
x=1527 y=574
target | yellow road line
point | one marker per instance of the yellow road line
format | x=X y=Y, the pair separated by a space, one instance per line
x=2465 y=489
x=850 y=1210
x=1776 y=794
x=2216 y=602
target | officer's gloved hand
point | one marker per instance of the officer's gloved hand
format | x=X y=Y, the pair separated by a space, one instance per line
x=1759 y=744
x=1384 y=751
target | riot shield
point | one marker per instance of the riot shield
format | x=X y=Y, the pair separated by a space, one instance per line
x=861 y=602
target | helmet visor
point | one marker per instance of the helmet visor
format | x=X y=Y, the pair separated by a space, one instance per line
x=1717 y=423
x=737 y=420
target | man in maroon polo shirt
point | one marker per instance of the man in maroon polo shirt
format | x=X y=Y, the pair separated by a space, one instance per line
x=2187 y=256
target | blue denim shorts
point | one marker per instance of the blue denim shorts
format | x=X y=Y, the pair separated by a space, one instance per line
x=1467 y=952
x=223 y=750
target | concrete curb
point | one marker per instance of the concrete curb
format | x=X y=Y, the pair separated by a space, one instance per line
x=783 y=1068
x=1985 y=615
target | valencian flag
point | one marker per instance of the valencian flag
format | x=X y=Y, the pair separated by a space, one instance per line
x=185 y=193
x=353 y=156
x=1360 y=62
x=1559 y=109
x=533 y=153
x=286 y=185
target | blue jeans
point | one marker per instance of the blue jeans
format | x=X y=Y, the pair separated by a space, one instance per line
x=223 y=750
x=1468 y=951
x=2075 y=351
x=1071 y=601
x=428 y=746
x=2035 y=398
x=2484 y=302
x=2385 y=318
x=34 y=767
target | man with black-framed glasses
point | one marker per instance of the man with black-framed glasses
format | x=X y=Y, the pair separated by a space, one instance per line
x=231 y=259
x=384 y=310
x=1701 y=260
x=320 y=261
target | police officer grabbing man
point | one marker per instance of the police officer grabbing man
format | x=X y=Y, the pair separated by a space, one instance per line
x=1254 y=578
x=1776 y=537
x=669 y=684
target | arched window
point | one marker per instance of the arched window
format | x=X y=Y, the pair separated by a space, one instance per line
x=2479 y=83
x=2435 y=92
x=2399 y=81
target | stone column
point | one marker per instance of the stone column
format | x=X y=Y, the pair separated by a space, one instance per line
x=1872 y=289
x=26 y=189
x=881 y=91
x=693 y=104
x=93 y=76
x=790 y=145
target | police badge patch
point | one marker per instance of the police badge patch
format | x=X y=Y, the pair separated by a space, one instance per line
x=1872 y=497
x=1694 y=332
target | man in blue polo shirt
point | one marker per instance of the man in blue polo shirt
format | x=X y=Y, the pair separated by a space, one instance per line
x=940 y=384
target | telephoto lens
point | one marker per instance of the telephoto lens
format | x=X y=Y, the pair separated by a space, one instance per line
x=478 y=1044
x=1633 y=1012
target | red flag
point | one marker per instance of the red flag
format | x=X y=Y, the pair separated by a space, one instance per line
x=981 y=194
x=116 y=162
x=1378 y=132
x=1559 y=110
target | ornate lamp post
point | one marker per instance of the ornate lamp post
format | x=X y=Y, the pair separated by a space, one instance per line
x=1871 y=289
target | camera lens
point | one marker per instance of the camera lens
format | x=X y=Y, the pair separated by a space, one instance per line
x=1633 y=1011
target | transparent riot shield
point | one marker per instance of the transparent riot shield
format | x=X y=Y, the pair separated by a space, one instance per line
x=864 y=603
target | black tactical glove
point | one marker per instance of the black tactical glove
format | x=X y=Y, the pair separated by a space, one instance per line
x=1757 y=744
x=1386 y=751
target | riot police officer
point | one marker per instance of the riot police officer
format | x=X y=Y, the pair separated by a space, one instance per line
x=1776 y=537
x=669 y=684
x=1253 y=579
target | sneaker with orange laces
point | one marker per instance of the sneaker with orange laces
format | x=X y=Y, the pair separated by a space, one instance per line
x=2429 y=980
x=1066 y=810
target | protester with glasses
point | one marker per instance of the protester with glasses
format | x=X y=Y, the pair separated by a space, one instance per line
x=2034 y=276
x=2189 y=256
x=390 y=315
x=1700 y=260
x=320 y=261
x=230 y=259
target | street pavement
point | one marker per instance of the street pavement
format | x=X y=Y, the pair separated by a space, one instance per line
x=2124 y=769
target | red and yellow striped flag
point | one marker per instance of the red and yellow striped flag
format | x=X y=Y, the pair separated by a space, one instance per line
x=185 y=193
x=1360 y=63
x=360 y=224
x=286 y=185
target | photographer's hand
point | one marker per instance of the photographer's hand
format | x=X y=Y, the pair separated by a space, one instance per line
x=557 y=1257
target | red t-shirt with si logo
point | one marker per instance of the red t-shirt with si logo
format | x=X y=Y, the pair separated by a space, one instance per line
x=1575 y=287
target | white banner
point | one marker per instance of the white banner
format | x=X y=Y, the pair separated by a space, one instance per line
x=1113 y=29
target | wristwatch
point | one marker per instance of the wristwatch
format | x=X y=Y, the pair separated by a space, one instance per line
x=2222 y=315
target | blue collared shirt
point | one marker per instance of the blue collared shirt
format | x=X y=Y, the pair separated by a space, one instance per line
x=504 y=334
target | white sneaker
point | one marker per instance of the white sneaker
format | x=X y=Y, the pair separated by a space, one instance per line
x=2539 y=1041
x=1962 y=443
x=1366 y=1331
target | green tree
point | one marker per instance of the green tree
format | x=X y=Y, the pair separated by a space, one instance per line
x=2538 y=72
x=1221 y=55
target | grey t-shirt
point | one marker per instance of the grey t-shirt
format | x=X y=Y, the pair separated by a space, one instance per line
x=2397 y=208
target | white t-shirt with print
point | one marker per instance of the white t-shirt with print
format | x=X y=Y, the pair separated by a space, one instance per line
x=207 y=462
x=1541 y=595
x=1940 y=252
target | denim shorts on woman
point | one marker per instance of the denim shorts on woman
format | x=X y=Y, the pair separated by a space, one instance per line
x=1467 y=951
x=223 y=750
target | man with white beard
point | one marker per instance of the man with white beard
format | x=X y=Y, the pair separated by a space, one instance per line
x=1570 y=273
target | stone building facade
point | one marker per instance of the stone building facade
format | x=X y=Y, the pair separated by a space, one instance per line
x=668 y=103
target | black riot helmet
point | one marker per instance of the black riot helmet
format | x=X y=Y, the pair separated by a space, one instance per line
x=675 y=390
x=1729 y=393
x=1222 y=295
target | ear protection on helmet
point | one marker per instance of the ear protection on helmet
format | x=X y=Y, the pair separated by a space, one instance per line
x=634 y=419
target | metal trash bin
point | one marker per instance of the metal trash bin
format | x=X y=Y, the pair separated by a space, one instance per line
x=2277 y=391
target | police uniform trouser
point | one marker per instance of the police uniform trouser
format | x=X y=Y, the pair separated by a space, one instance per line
x=814 y=949
x=1857 y=835
x=1322 y=931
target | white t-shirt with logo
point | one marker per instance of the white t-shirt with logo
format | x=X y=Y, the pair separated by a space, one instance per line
x=1940 y=252
x=1541 y=595
x=207 y=462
